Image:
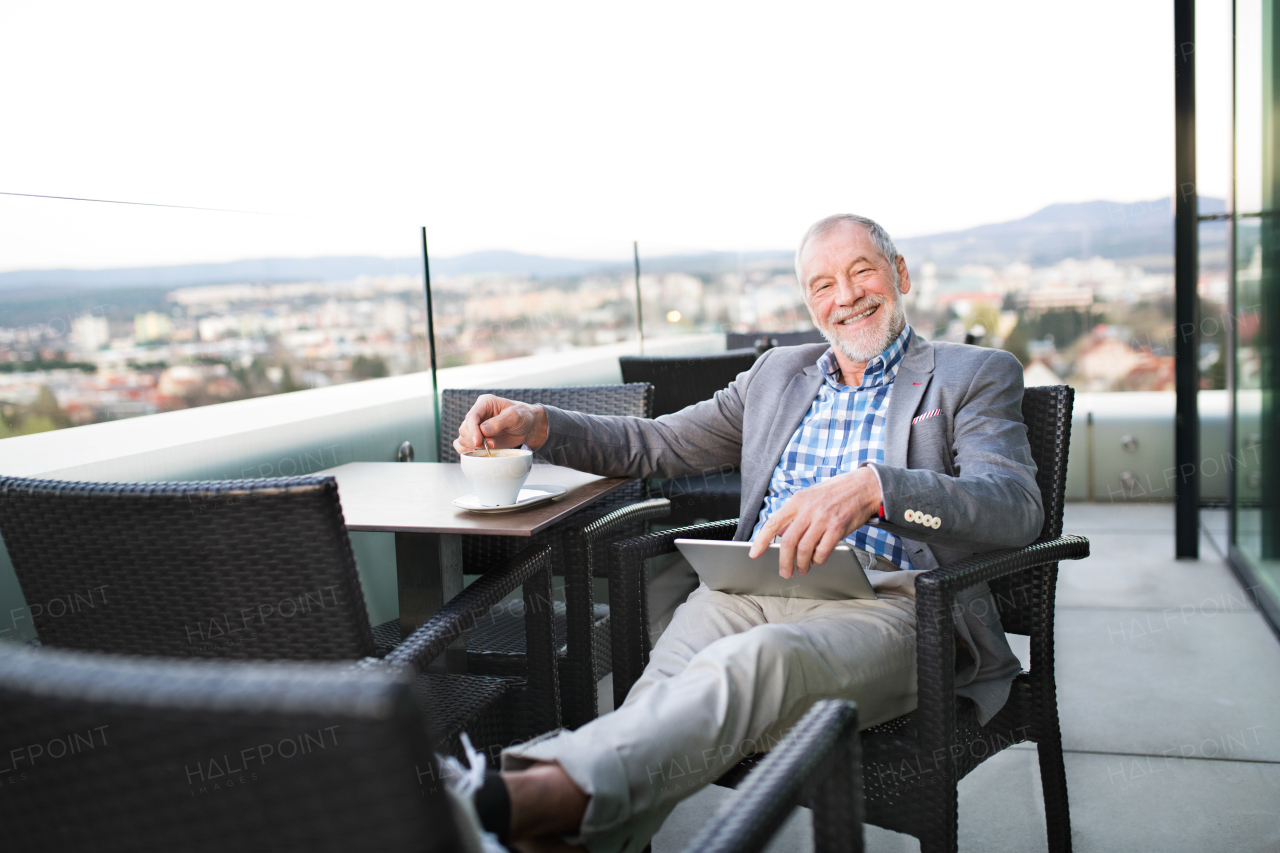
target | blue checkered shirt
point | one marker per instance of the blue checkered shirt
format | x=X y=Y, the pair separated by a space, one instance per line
x=843 y=429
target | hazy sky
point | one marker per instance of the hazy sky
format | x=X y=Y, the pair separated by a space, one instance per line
x=567 y=128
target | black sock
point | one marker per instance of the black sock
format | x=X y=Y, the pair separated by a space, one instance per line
x=493 y=805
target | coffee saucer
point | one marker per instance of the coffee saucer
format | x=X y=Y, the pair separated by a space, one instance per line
x=529 y=496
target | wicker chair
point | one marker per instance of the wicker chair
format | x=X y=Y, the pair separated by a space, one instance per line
x=913 y=763
x=250 y=570
x=140 y=754
x=144 y=754
x=816 y=764
x=582 y=628
x=764 y=341
x=680 y=381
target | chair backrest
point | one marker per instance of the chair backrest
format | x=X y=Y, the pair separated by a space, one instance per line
x=249 y=569
x=682 y=380
x=633 y=399
x=108 y=753
x=761 y=341
x=1046 y=410
x=1026 y=602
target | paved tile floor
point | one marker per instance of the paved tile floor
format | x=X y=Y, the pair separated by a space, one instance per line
x=1169 y=689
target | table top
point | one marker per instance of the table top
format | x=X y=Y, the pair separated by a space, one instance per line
x=417 y=497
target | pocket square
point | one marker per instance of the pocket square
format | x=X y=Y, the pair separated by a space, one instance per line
x=929 y=414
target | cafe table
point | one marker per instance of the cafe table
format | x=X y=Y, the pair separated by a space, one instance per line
x=414 y=500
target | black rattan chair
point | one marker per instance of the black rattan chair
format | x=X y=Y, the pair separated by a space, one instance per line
x=250 y=570
x=143 y=754
x=913 y=763
x=496 y=646
x=816 y=764
x=679 y=381
x=764 y=341
x=682 y=380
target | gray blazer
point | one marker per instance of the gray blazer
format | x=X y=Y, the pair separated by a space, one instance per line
x=970 y=467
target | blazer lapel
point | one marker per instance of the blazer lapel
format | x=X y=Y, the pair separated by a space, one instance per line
x=792 y=407
x=912 y=380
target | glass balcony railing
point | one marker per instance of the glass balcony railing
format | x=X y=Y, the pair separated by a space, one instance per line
x=690 y=291
x=111 y=311
x=547 y=295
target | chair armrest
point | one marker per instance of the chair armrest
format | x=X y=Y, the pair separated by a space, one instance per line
x=614 y=521
x=583 y=543
x=997 y=564
x=935 y=629
x=817 y=762
x=629 y=596
x=461 y=612
x=581 y=540
x=652 y=545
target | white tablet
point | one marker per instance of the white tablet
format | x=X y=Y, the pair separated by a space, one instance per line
x=728 y=567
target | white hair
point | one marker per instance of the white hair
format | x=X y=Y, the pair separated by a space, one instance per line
x=883 y=242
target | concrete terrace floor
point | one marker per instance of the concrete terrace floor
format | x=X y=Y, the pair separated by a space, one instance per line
x=1169 y=698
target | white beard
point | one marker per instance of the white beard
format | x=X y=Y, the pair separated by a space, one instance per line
x=862 y=346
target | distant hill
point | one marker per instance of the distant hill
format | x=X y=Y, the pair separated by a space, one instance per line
x=295 y=269
x=1141 y=232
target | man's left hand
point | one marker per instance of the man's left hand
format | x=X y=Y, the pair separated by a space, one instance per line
x=815 y=520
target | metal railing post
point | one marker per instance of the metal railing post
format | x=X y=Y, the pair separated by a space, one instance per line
x=635 y=249
x=1185 y=294
x=431 y=343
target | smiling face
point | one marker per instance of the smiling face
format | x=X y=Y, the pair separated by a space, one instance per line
x=852 y=295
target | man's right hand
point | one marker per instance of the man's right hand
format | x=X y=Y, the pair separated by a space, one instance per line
x=501 y=423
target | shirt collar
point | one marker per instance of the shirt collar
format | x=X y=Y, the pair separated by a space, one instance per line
x=881 y=370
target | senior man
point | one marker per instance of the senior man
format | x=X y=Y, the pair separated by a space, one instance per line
x=913 y=453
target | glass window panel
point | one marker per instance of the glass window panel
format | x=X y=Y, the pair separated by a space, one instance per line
x=1213 y=103
x=1248 y=106
x=1257 y=516
x=1248 y=391
x=1214 y=314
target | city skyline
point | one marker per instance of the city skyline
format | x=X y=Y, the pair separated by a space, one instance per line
x=1078 y=292
x=1099 y=324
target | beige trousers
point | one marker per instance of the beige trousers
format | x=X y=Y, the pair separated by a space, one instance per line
x=729 y=677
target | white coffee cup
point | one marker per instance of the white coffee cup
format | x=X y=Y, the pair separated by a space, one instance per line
x=497 y=478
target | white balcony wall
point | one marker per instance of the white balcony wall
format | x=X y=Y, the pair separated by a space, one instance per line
x=1107 y=467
